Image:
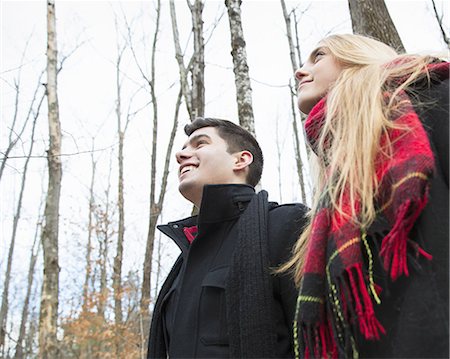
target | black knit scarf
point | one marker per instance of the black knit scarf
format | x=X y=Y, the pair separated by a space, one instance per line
x=338 y=292
x=251 y=325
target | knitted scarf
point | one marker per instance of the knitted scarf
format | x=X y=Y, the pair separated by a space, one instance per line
x=337 y=292
x=250 y=317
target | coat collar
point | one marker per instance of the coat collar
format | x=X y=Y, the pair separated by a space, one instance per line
x=220 y=203
x=223 y=202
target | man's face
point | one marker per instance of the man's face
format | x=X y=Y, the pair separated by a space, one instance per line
x=203 y=160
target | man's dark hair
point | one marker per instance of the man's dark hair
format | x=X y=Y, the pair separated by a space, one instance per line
x=237 y=139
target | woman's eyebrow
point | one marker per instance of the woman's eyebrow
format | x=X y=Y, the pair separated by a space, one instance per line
x=315 y=51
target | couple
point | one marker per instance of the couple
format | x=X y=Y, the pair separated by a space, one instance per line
x=365 y=271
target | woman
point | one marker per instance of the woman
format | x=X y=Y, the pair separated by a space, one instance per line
x=372 y=265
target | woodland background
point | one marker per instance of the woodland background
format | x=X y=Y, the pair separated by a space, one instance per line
x=94 y=96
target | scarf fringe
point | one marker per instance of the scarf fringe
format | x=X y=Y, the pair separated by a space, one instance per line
x=319 y=341
x=394 y=245
x=369 y=325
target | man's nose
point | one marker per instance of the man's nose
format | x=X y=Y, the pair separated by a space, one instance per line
x=183 y=155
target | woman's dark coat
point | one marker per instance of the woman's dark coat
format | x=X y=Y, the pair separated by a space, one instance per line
x=415 y=309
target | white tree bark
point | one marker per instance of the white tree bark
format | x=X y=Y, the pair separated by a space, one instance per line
x=48 y=343
x=241 y=71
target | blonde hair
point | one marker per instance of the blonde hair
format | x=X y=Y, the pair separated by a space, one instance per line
x=357 y=116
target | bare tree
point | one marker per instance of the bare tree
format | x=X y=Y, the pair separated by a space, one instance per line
x=241 y=71
x=198 y=64
x=19 y=353
x=294 y=53
x=87 y=277
x=371 y=18
x=117 y=267
x=194 y=94
x=439 y=19
x=48 y=342
x=5 y=306
x=103 y=233
x=15 y=135
x=298 y=158
x=156 y=203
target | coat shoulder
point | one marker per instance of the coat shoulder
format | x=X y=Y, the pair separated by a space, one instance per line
x=286 y=223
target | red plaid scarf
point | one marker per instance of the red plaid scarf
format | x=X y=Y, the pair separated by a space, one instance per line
x=337 y=290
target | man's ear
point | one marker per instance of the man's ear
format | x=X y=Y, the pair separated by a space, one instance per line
x=243 y=160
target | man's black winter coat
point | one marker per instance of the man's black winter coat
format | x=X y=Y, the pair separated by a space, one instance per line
x=191 y=318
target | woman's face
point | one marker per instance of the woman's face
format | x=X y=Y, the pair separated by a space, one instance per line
x=315 y=77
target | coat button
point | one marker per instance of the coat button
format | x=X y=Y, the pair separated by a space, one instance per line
x=175 y=226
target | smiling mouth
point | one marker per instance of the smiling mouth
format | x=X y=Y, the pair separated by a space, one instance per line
x=302 y=83
x=186 y=169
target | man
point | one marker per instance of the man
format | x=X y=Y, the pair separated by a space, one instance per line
x=221 y=298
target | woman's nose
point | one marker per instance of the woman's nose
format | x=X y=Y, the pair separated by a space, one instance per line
x=300 y=73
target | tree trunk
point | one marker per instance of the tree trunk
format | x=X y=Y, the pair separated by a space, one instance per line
x=195 y=103
x=87 y=276
x=241 y=72
x=5 y=304
x=48 y=343
x=103 y=233
x=371 y=18
x=154 y=209
x=198 y=65
x=292 y=53
x=117 y=266
x=298 y=158
x=19 y=354
x=439 y=20
x=29 y=340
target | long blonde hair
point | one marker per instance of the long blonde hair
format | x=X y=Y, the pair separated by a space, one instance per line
x=357 y=116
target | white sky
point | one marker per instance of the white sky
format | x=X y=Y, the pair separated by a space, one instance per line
x=87 y=98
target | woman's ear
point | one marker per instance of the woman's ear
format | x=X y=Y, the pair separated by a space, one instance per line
x=243 y=160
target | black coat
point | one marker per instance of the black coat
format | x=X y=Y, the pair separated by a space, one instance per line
x=190 y=318
x=415 y=310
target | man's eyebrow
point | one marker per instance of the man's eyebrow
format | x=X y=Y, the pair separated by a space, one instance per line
x=196 y=138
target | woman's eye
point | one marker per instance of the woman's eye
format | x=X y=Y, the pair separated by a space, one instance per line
x=319 y=55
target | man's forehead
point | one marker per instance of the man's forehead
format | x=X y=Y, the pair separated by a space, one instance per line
x=207 y=131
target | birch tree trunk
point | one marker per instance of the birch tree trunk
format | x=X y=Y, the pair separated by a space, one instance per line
x=371 y=18
x=48 y=343
x=198 y=65
x=241 y=71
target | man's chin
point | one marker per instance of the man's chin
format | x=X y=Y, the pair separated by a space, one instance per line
x=188 y=191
